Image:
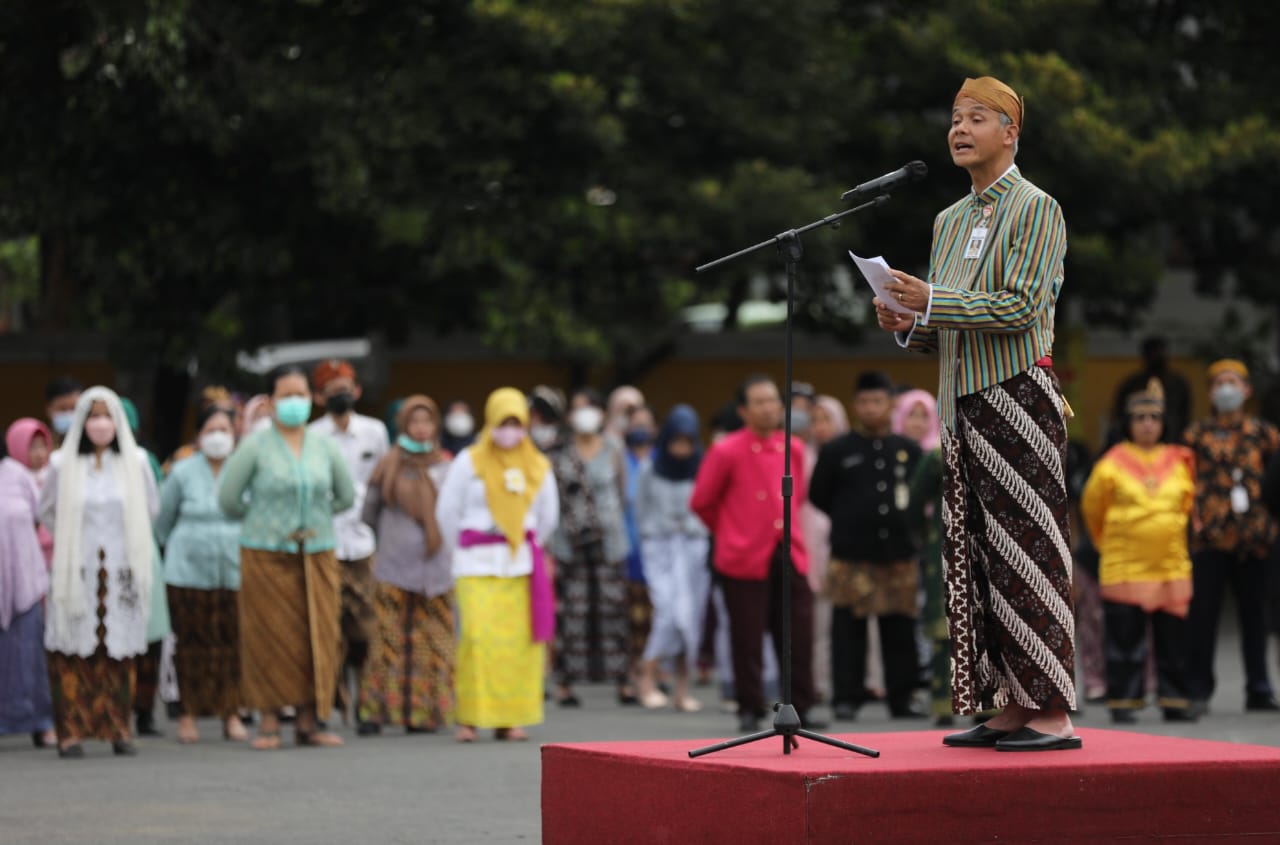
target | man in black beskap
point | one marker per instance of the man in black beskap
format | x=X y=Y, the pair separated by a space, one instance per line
x=861 y=481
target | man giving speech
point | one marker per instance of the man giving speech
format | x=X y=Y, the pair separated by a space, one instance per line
x=987 y=310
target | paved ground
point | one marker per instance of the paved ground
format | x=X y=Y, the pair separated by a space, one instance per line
x=394 y=788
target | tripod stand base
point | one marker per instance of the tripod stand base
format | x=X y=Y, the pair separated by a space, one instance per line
x=788 y=726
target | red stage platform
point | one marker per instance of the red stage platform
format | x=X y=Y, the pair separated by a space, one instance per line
x=1121 y=787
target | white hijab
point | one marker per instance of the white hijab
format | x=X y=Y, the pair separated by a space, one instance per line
x=67 y=585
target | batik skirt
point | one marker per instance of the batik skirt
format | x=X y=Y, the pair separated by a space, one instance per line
x=92 y=696
x=290 y=638
x=1006 y=548
x=408 y=678
x=206 y=658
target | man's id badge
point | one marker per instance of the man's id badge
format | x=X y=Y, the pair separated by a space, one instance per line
x=977 y=238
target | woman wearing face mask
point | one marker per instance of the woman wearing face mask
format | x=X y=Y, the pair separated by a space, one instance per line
x=202 y=571
x=674 y=543
x=98 y=502
x=286 y=483
x=1136 y=505
x=25 y=706
x=459 y=427
x=496 y=508
x=408 y=679
x=590 y=548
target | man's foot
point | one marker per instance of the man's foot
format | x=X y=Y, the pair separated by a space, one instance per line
x=1052 y=722
x=465 y=733
x=124 y=748
x=510 y=735
x=1029 y=739
x=1178 y=714
x=566 y=698
x=979 y=736
x=1012 y=717
x=1261 y=702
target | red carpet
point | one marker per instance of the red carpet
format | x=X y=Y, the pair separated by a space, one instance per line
x=1121 y=787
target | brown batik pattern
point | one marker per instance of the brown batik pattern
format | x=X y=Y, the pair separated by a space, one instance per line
x=206 y=624
x=1006 y=549
x=92 y=696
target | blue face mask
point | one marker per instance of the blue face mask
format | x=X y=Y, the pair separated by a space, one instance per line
x=416 y=447
x=293 y=411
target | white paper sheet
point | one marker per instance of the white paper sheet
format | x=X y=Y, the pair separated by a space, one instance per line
x=876 y=272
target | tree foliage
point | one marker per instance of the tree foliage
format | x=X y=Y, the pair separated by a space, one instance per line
x=204 y=177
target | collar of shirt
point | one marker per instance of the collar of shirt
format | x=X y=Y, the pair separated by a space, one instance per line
x=998 y=188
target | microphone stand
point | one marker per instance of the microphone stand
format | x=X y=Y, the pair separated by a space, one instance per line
x=786 y=722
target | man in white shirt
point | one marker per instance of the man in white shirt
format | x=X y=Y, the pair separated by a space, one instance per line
x=362 y=441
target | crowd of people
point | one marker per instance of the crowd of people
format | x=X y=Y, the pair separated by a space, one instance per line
x=427 y=572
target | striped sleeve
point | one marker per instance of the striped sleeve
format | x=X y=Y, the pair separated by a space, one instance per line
x=1030 y=269
x=921 y=338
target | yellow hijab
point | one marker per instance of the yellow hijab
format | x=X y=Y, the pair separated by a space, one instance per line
x=512 y=477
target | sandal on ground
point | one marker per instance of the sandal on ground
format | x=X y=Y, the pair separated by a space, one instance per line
x=465 y=733
x=688 y=704
x=266 y=741
x=124 y=748
x=317 y=739
x=653 y=699
x=241 y=735
x=74 y=751
x=510 y=735
x=188 y=737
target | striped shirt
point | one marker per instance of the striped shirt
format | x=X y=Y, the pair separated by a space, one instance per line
x=990 y=318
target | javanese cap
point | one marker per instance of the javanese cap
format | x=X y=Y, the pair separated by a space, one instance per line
x=1228 y=365
x=1144 y=403
x=994 y=94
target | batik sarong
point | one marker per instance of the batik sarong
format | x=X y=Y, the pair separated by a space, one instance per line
x=1006 y=548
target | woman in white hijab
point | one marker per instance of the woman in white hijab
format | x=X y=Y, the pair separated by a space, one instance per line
x=98 y=503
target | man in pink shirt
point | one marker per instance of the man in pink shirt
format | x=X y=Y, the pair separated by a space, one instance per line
x=738 y=494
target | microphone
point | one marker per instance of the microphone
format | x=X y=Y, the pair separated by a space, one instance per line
x=911 y=172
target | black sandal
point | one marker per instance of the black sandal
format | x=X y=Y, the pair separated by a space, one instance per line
x=71 y=752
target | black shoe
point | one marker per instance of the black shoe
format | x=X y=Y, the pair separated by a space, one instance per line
x=944 y=722
x=1028 y=739
x=844 y=712
x=368 y=729
x=415 y=729
x=808 y=722
x=1179 y=714
x=37 y=739
x=748 y=723
x=146 y=723
x=1124 y=716
x=124 y=748
x=979 y=736
x=1261 y=702
x=71 y=752
x=570 y=700
x=1198 y=709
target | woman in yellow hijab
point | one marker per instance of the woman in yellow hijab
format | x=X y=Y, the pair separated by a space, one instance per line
x=497 y=506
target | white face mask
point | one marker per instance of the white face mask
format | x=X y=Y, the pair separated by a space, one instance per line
x=459 y=424
x=587 y=420
x=1227 y=397
x=543 y=435
x=216 y=445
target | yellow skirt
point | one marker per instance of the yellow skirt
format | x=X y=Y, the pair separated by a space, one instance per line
x=499 y=672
